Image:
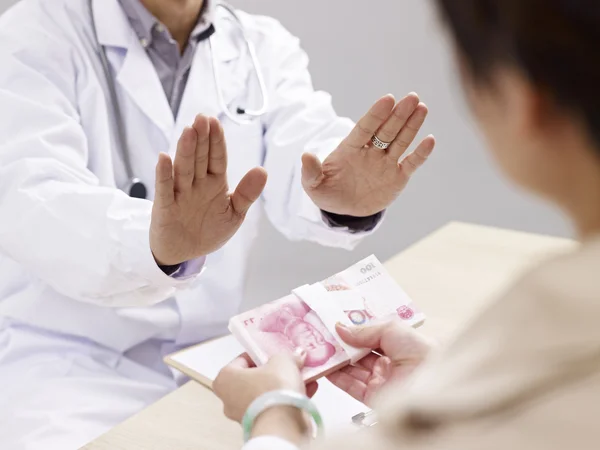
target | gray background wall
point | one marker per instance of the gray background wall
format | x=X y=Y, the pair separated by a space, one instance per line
x=359 y=51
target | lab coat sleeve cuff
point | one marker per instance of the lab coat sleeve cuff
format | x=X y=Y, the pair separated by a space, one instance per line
x=269 y=443
x=320 y=230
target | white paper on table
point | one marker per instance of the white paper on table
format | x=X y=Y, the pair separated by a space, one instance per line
x=336 y=407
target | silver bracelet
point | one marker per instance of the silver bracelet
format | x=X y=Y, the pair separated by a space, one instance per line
x=280 y=398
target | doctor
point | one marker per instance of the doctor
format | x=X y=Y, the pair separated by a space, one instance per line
x=100 y=99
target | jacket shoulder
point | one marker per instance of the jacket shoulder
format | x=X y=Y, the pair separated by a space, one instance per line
x=569 y=281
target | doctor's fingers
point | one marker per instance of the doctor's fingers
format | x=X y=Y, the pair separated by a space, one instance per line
x=401 y=114
x=367 y=126
x=164 y=194
x=248 y=190
x=183 y=167
x=409 y=131
x=202 y=127
x=416 y=159
x=217 y=161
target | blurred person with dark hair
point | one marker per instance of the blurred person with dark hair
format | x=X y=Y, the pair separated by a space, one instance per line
x=525 y=374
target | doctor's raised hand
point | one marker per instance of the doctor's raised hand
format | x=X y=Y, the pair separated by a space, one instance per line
x=364 y=175
x=194 y=213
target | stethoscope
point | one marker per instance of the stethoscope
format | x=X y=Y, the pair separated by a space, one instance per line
x=242 y=116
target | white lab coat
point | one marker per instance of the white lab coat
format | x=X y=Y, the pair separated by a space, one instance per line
x=75 y=262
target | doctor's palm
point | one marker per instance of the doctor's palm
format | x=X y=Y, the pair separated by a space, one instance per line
x=360 y=180
x=194 y=214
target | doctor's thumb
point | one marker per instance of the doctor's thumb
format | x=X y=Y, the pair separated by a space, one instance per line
x=249 y=190
x=312 y=171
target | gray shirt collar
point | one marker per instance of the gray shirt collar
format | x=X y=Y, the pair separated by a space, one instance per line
x=143 y=22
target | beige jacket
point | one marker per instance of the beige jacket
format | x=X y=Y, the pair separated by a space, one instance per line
x=523 y=375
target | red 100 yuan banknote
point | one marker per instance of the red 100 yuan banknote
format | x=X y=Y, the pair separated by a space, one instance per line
x=306 y=318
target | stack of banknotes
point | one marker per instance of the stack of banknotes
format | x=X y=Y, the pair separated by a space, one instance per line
x=307 y=317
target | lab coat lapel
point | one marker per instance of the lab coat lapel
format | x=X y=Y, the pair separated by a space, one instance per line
x=140 y=80
x=135 y=73
x=200 y=96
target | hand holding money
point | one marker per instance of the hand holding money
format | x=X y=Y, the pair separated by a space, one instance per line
x=281 y=372
x=401 y=349
x=240 y=383
x=307 y=318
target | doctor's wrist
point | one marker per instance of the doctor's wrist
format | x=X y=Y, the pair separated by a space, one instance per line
x=167 y=267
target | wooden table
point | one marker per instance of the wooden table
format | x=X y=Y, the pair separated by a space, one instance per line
x=451 y=274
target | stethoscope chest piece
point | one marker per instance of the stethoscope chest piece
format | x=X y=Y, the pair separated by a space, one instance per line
x=137 y=189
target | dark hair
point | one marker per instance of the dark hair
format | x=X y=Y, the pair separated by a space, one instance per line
x=556 y=43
